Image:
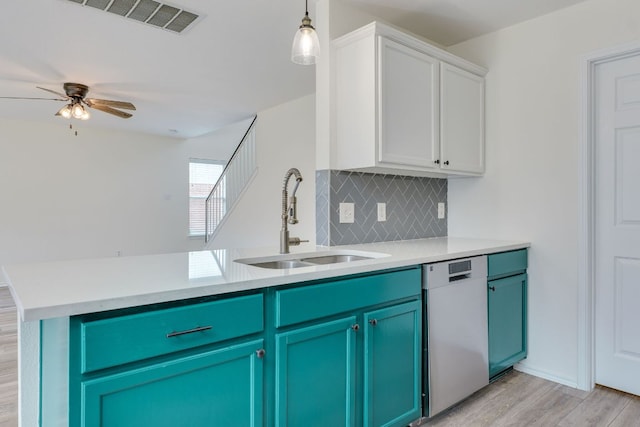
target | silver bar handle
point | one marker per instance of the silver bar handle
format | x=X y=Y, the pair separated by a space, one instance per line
x=189 y=331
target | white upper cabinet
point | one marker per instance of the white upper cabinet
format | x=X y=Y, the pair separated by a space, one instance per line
x=404 y=107
x=408 y=117
x=461 y=120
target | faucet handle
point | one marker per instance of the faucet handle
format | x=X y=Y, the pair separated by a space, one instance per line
x=295 y=241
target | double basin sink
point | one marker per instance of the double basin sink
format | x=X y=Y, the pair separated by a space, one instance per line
x=310 y=259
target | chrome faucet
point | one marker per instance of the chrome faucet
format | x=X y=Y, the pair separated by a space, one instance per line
x=289 y=213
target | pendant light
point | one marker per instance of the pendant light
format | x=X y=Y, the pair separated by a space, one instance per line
x=306 y=46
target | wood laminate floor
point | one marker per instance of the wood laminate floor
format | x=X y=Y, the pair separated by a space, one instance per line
x=8 y=360
x=515 y=400
x=518 y=399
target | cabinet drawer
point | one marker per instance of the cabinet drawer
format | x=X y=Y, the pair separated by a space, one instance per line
x=124 y=339
x=505 y=263
x=326 y=299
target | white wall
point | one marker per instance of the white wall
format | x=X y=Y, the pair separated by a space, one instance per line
x=92 y=195
x=285 y=138
x=334 y=19
x=530 y=190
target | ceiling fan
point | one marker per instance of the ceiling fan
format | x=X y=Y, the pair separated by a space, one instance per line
x=75 y=95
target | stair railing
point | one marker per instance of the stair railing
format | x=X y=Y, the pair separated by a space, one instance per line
x=232 y=182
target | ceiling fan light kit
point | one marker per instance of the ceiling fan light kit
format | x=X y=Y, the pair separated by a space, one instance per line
x=75 y=95
x=306 y=46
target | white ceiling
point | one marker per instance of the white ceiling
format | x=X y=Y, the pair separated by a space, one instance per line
x=452 y=21
x=231 y=64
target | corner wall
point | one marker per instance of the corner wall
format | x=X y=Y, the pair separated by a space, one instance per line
x=530 y=190
x=285 y=138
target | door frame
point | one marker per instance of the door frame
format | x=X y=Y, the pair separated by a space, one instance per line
x=586 y=221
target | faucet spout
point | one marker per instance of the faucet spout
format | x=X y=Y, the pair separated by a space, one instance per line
x=289 y=210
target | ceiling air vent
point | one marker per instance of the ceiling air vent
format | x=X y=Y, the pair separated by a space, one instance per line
x=160 y=15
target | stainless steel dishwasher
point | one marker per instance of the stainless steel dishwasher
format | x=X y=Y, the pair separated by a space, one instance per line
x=456 y=336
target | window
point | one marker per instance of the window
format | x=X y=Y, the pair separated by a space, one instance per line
x=203 y=175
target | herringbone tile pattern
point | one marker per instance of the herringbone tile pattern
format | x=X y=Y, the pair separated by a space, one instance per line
x=412 y=207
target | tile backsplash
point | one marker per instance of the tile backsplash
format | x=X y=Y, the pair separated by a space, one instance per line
x=412 y=207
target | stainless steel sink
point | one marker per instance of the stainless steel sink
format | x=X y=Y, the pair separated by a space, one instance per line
x=288 y=261
x=281 y=264
x=334 y=259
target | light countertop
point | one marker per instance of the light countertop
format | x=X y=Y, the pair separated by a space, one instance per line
x=66 y=288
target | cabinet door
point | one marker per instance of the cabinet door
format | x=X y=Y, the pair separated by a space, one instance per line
x=461 y=120
x=407 y=106
x=316 y=374
x=392 y=373
x=507 y=322
x=220 y=387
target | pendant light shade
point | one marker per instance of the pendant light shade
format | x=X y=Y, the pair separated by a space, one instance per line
x=74 y=110
x=306 y=46
x=77 y=111
x=65 y=112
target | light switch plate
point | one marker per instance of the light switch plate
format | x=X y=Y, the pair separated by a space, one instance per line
x=347 y=213
x=382 y=211
x=441 y=214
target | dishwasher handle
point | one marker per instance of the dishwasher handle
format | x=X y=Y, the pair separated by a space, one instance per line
x=459 y=277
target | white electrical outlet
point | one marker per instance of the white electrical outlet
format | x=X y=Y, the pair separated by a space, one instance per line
x=382 y=211
x=441 y=214
x=347 y=213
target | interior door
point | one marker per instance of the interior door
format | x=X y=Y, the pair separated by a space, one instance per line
x=617 y=225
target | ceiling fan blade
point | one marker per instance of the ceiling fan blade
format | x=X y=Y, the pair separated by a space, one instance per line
x=43 y=99
x=110 y=110
x=91 y=102
x=54 y=92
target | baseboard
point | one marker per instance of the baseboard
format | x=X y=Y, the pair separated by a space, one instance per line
x=545 y=375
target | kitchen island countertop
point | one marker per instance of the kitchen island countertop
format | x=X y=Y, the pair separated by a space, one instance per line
x=66 y=288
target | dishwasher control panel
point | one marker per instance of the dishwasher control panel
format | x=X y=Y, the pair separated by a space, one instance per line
x=444 y=273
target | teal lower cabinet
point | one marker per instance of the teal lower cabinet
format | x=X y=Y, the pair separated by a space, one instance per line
x=341 y=352
x=507 y=300
x=354 y=359
x=215 y=388
x=316 y=375
x=392 y=366
x=177 y=364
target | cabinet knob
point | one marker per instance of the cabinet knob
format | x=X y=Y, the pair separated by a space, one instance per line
x=493 y=288
x=446 y=162
x=373 y=322
x=260 y=353
x=437 y=162
x=355 y=327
